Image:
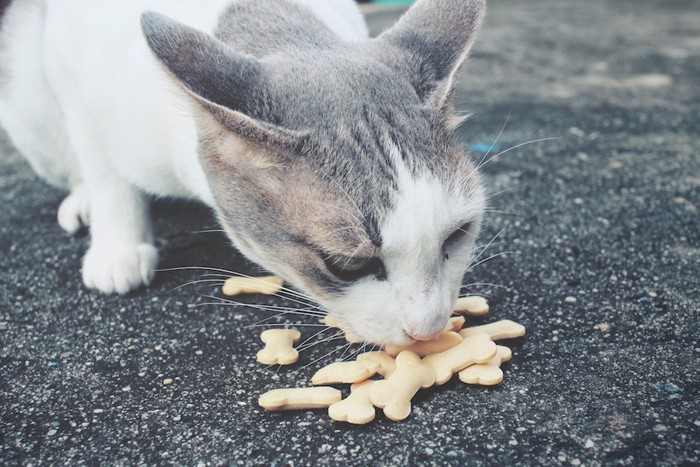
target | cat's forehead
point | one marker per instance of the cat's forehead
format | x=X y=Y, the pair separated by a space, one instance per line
x=367 y=133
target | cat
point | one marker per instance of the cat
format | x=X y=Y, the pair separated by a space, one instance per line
x=329 y=157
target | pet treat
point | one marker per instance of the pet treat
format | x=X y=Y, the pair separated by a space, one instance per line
x=345 y=372
x=386 y=362
x=489 y=373
x=332 y=321
x=504 y=329
x=477 y=348
x=267 y=285
x=395 y=393
x=455 y=324
x=422 y=348
x=335 y=322
x=279 y=348
x=473 y=305
x=357 y=408
x=300 y=398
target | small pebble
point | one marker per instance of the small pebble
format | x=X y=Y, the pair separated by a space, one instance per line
x=51 y=432
x=98 y=411
x=667 y=388
x=589 y=443
x=167 y=381
x=570 y=299
x=429 y=451
x=576 y=461
x=513 y=442
x=604 y=327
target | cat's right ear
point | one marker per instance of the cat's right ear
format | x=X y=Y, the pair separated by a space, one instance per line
x=224 y=84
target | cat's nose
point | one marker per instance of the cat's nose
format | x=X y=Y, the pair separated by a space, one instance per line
x=422 y=336
x=426 y=329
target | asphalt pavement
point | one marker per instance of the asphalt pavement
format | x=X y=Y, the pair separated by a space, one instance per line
x=598 y=256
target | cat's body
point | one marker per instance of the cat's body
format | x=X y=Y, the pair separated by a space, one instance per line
x=308 y=139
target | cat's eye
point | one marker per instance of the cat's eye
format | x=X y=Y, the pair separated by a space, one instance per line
x=455 y=239
x=350 y=269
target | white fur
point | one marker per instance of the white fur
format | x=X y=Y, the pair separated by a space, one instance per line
x=416 y=300
x=92 y=112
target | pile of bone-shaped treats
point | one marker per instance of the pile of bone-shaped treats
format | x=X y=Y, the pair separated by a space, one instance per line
x=471 y=352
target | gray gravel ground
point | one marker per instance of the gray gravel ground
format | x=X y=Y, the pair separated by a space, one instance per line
x=601 y=234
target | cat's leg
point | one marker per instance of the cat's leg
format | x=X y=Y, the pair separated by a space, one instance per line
x=121 y=256
x=74 y=211
x=30 y=113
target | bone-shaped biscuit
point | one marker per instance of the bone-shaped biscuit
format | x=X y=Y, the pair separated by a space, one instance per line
x=267 y=285
x=357 y=408
x=504 y=329
x=473 y=305
x=335 y=322
x=474 y=349
x=386 y=362
x=395 y=393
x=439 y=344
x=455 y=324
x=279 y=348
x=345 y=372
x=300 y=398
x=489 y=373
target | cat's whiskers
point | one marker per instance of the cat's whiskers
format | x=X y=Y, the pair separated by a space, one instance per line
x=345 y=346
x=472 y=266
x=539 y=140
x=491 y=196
x=284 y=291
x=482 y=284
x=195 y=282
x=303 y=344
x=337 y=335
x=495 y=141
x=276 y=316
x=299 y=325
x=289 y=310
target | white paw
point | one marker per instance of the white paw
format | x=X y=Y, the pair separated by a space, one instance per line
x=74 y=211
x=119 y=268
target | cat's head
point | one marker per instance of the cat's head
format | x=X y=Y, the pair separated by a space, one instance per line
x=335 y=166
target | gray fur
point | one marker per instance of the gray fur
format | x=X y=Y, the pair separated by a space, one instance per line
x=4 y=5
x=314 y=119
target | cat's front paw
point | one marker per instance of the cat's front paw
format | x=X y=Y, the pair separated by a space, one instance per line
x=74 y=210
x=119 y=268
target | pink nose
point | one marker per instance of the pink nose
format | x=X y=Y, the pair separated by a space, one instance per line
x=423 y=337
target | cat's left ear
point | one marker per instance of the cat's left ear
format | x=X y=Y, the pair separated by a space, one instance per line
x=226 y=85
x=430 y=42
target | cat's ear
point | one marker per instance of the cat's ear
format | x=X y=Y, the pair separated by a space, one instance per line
x=433 y=39
x=226 y=85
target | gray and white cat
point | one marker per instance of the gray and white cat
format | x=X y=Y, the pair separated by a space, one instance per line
x=329 y=157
